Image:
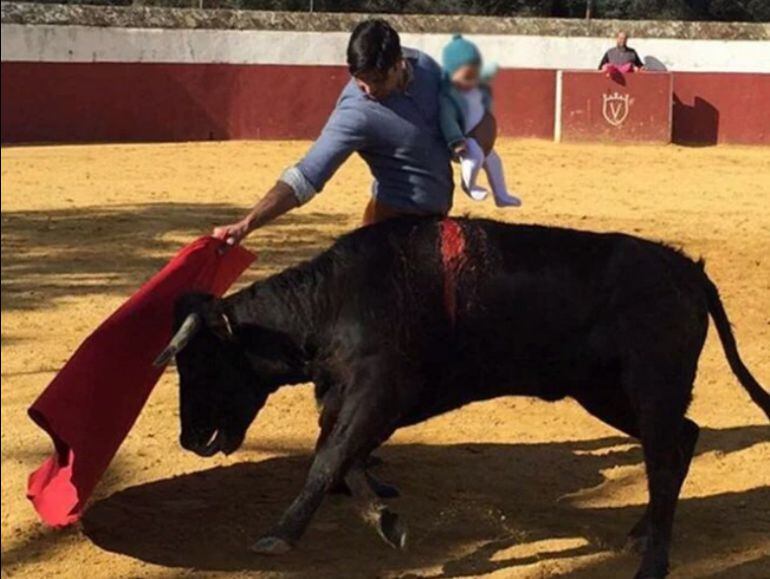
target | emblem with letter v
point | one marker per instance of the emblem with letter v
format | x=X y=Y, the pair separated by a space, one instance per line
x=615 y=108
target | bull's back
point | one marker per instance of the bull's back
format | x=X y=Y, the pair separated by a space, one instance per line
x=551 y=304
x=565 y=267
x=529 y=306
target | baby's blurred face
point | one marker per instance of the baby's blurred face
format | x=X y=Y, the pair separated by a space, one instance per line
x=467 y=77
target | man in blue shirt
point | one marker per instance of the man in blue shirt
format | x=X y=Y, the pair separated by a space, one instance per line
x=388 y=114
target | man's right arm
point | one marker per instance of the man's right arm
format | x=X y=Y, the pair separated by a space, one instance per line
x=605 y=60
x=344 y=133
x=279 y=199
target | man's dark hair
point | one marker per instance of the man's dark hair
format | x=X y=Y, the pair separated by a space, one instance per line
x=374 y=46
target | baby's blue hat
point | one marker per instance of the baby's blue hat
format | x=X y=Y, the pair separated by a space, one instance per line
x=459 y=52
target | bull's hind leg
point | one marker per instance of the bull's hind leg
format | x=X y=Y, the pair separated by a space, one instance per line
x=668 y=440
x=613 y=407
x=639 y=534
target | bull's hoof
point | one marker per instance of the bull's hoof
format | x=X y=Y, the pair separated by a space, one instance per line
x=271 y=545
x=391 y=529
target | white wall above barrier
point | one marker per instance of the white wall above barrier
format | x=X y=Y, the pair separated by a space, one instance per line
x=53 y=43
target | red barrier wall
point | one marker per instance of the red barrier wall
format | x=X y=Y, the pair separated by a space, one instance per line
x=620 y=108
x=712 y=108
x=76 y=102
x=524 y=103
x=88 y=102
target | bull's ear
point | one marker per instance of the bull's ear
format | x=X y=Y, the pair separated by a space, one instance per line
x=191 y=303
x=218 y=321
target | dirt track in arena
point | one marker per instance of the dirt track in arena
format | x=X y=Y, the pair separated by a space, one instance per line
x=507 y=488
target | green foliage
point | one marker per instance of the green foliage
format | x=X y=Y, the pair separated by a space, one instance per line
x=719 y=10
x=738 y=10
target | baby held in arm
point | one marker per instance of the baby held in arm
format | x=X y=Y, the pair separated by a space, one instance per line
x=468 y=124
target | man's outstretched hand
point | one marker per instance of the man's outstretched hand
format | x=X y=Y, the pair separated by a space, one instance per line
x=234 y=233
x=278 y=201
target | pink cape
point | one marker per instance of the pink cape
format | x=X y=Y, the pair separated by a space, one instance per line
x=94 y=400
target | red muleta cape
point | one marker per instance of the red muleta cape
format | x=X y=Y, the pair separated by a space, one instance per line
x=94 y=400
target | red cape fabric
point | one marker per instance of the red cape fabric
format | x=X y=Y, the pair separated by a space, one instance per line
x=91 y=404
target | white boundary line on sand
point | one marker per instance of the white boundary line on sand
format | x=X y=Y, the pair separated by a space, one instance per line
x=51 y=43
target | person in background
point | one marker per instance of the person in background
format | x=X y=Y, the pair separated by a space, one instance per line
x=388 y=113
x=465 y=107
x=622 y=58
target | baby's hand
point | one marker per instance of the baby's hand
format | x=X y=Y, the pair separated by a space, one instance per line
x=460 y=148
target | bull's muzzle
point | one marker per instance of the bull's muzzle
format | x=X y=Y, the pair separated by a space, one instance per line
x=204 y=449
x=219 y=441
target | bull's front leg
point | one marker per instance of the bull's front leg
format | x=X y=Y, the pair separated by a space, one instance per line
x=367 y=492
x=330 y=409
x=361 y=425
x=380 y=489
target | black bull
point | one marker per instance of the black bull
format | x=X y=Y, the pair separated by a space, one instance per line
x=393 y=331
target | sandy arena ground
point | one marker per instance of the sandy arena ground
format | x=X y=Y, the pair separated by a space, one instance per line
x=507 y=488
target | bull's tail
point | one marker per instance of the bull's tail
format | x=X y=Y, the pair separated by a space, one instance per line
x=760 y=396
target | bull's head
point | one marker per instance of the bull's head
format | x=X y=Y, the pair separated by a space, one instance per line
x=220 y=392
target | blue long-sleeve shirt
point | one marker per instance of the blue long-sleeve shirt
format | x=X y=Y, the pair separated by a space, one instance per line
x=399 y=138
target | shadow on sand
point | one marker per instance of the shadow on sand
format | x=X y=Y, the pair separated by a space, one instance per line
x=468 y=506
x=49 y=255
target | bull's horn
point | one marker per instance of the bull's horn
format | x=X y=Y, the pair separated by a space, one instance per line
x=186 y=331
